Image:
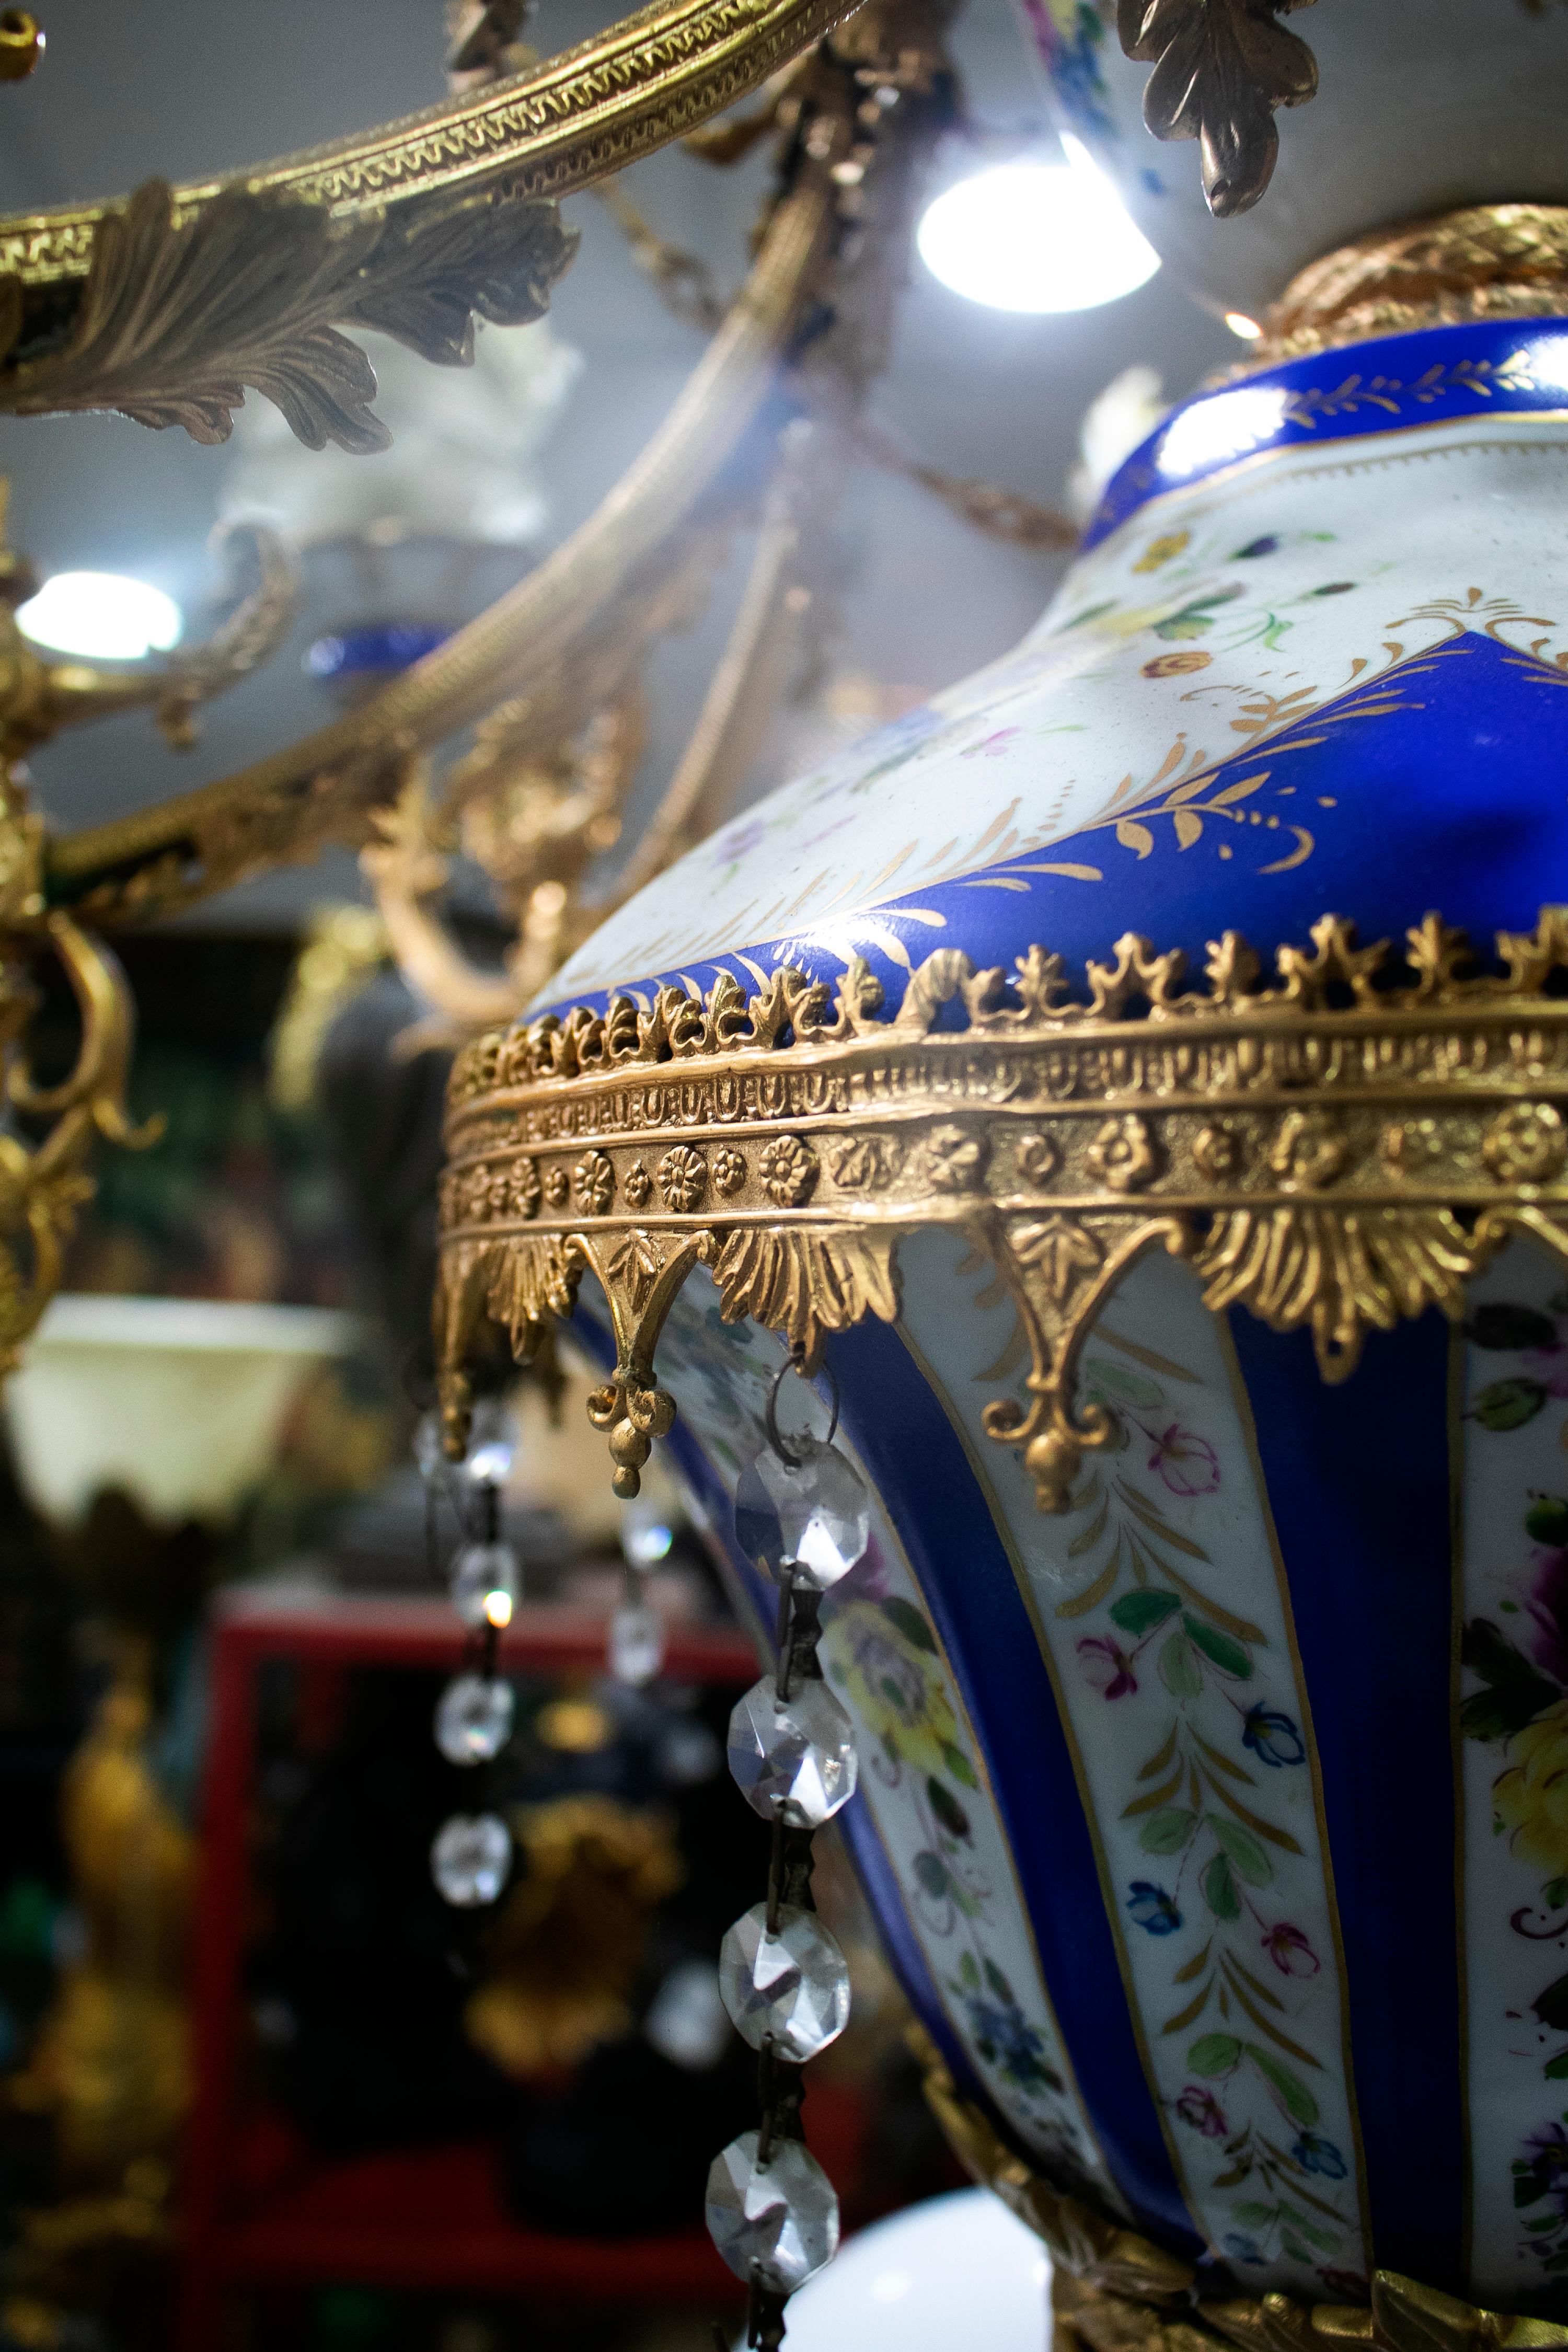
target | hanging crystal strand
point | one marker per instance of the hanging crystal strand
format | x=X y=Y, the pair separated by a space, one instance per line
x=471 y=1858
x=803 y=1513
x=634 y=1647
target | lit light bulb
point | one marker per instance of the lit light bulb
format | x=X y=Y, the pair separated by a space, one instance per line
x=1240 y=324
x=1036 y=236
x=102 y=616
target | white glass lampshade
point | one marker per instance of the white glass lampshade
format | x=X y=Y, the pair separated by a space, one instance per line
x=178 y=1401
x=956 y=2270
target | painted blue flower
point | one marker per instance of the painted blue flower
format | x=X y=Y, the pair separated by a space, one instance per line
x=1272 y=1737
x=1006 y=2039
x=1242 y=2248
x=1153 y=1908
x=1314 y=2154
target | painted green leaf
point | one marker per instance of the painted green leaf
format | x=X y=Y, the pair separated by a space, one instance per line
x=1135 y=1613
x=1167 y=1832
x=947 y=1808
x=1244 y=1851
x=932 y=1874
x=959 y=1764
x=1219 y=1889
x=907 y=1619
x=1294 y=2097
x=1256 y=2216
x=1546 y=1521
x=1556 y=2069
x=1179 y=1668
x=1327 y=2239
x=1213 y=2054
x=1551 y=2005
x=998 y=1983
x=969 y=1970
x=1554 y=1894
x=1517 y=1693
x=1218 y=1648
x=1509 y=1404
x=1124 y=1387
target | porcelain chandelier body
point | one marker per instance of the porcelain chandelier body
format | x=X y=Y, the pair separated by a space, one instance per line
x=1089 y=1069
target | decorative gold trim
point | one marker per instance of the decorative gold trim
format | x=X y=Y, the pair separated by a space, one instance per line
x=1115 y=2291
x=569 y=120
x=1487 y=262
x=1335 y=1150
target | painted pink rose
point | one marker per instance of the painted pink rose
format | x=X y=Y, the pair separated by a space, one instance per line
x=1188 y=1463
x=1106 y=1666
x=1290 y=1951
x=1202 y=2111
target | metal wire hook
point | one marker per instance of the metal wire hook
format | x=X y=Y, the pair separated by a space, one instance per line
x=794 y=1461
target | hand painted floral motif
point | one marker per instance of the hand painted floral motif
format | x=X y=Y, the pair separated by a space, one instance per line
x=1165 y=1617
x=1514 y=1718
x=918 y=1779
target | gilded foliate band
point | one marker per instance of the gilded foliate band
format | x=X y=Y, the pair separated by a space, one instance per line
x=1335 y=1148
x=1115 y=2291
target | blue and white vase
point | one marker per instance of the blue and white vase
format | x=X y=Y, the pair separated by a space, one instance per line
x=1213 y=1702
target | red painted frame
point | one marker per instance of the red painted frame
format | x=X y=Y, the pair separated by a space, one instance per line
x=437 y=2230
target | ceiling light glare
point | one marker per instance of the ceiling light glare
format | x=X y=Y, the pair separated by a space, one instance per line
x=102 y=616
x=1036 y=236
x=1240 y=324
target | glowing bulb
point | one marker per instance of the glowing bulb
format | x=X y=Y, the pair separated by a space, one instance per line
x=1240 y=324
x=102 y=615
x=1036 y=236
x=498 y=1609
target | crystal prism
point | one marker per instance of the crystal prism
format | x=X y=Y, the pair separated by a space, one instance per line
x=473 y=1718
x=471 y=1858
x=646 y=1533
x=485 y=1584
x=778 y=2221
x=635 y=1651
x=792 y=1985
x=797 y=1757
x=493 y=1444
x=814 y=1514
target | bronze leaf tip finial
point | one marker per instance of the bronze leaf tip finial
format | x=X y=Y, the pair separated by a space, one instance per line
x=1221 y=68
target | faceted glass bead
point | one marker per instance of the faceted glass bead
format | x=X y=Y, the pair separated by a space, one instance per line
x=485 y=1584
x=813 y=1515
x=793 y=1984
x=471 y=1858
x=428 y=1452
x=635 y=1651
x=646 y=1533
x=473 y=1718
x=782 y=2217
x=798 y=1757
x=493 y=1444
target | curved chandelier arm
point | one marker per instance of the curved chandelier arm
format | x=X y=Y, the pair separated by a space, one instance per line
x=569 y=120
x=286 y=806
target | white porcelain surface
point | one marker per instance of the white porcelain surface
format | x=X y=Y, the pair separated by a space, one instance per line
x=1166 y=651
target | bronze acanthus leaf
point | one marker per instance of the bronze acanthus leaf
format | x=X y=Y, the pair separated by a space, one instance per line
x=179 y=315
x=1221 y=67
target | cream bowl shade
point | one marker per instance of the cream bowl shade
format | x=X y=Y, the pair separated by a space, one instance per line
x=178 y=1401
x=955 y=2270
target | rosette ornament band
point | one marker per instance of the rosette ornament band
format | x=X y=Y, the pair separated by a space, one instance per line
x=1334 y=1147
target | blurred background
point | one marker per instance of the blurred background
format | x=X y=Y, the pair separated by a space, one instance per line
x=249 y=2056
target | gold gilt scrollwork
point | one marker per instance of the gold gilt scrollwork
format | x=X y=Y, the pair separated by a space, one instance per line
x=1336 y=1147
x=1115 y=2291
